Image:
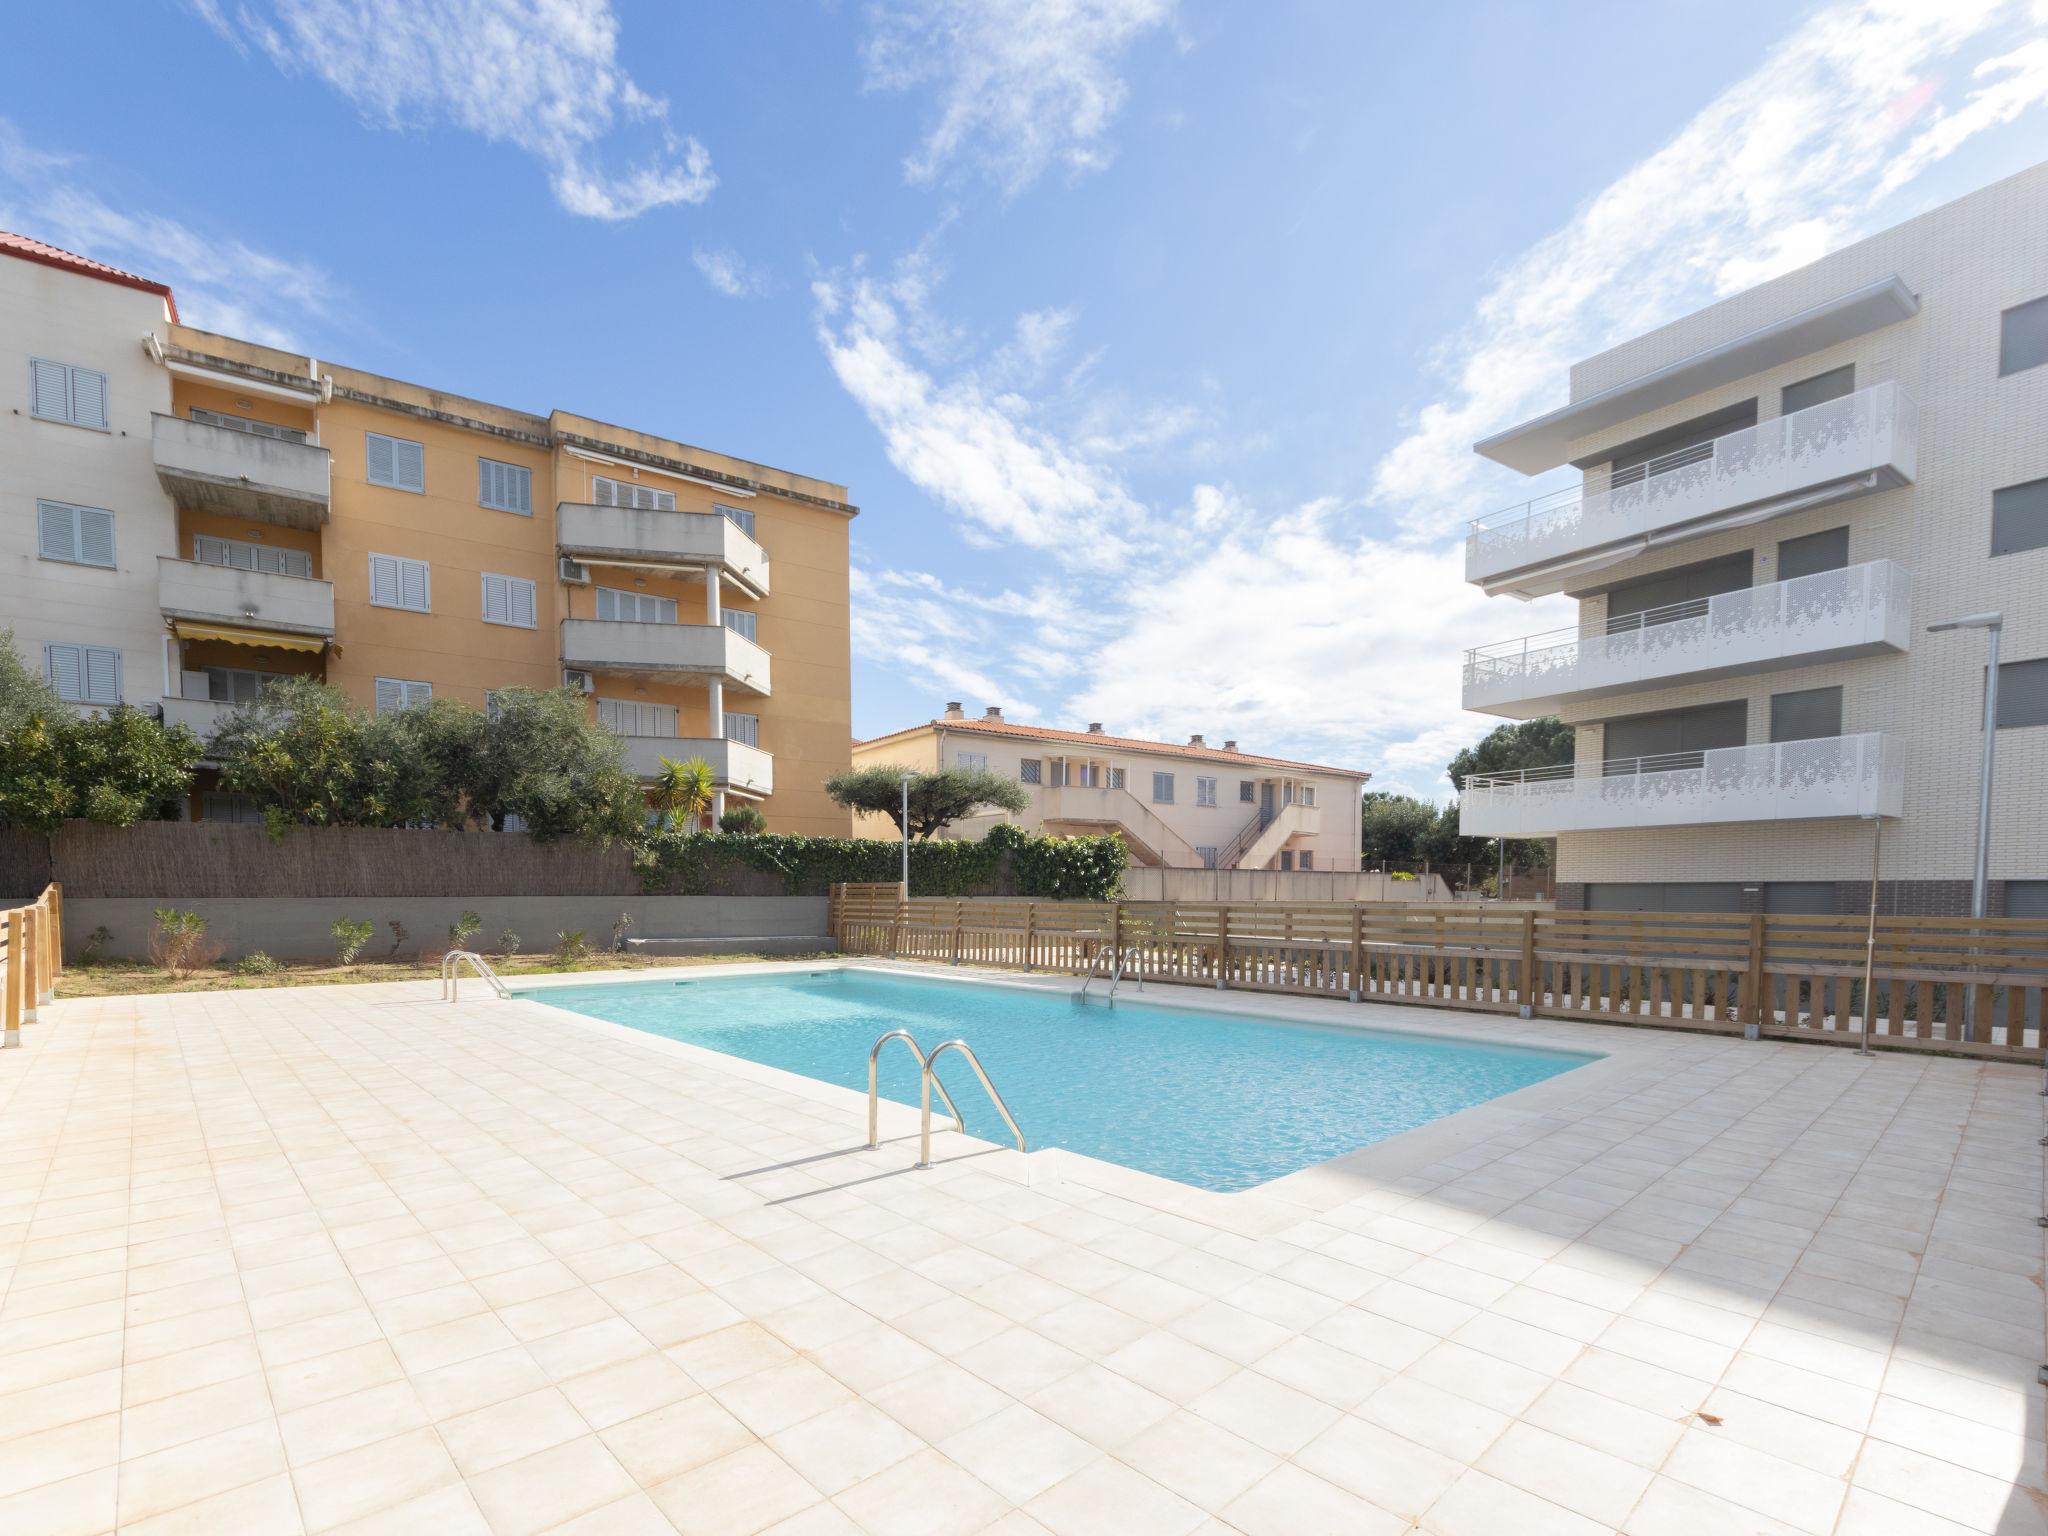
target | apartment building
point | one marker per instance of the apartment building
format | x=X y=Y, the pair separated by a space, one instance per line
x=1780 y=494
x=188 y=514
x=1178 y=805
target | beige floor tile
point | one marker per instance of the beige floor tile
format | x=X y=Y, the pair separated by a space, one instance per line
x=737 y=1495
x=926 y=1494
x=80 y=1505
x=1479 y=1505
x=1203 y=1463
x=1106 y=1495
x=372 y=1478
x=267 y=1506
x=548 y=1487
x=511 y=1430
x=199 y=1469
x=1019 y=1452
x=1380 y=1466
x=845 y=1445
x=670 y=1441
x=1291 y=1502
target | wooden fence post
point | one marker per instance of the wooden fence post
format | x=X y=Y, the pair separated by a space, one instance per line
x=959 y=923
x=1030 y=930
x=31 y=969
x=10 y=981
x=1222 y=949
x=1357 y=976
x=1752 y=1017
x=902 y=923
x=1530 y=993
x=56 y=894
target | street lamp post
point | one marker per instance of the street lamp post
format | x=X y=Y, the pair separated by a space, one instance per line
x=1992 y=624
x=906 y=834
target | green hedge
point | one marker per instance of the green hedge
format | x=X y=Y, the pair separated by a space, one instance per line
x=1006 y=862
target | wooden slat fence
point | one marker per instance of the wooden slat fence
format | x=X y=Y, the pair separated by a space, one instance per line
x=1938 y=983
x=31 y=955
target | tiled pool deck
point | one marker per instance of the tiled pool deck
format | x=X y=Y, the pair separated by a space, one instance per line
x=352 y=1259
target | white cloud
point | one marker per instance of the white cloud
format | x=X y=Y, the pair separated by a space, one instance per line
x=542 y=75
x=1791 y=161
x=1021 y=84
x=729 y=273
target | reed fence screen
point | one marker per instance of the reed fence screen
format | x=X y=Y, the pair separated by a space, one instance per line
x=1972 y=986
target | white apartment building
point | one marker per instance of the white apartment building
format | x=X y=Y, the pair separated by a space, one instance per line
x=83 y=517
x=1177 y=806
x=1781 y=492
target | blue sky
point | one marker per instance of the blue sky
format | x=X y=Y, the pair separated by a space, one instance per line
x=1150 y=336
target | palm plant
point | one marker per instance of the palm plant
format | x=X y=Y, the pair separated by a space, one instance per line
x=682 y=790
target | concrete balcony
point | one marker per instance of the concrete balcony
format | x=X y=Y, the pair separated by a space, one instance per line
x=1861 y=610
x=636 y=536
x=734 y=764
x=1780 y=781
x=265 y=600
x=202 y=715
x=1856 y=445
x=665 y=651
x=259 y=479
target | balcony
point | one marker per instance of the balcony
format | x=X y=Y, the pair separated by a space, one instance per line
x=245 y=600
x=1861 y=610
x=259 y=479
x=665 y=651
x=734 y=764
x=1780 y=781
x=202 y=715
x=636 y=536
x=1856 y=445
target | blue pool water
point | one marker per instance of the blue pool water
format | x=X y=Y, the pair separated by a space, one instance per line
x=1218 y=1101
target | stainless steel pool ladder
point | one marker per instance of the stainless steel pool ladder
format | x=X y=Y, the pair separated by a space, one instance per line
x=1116 y=971
x=451 y=973
x=928 y=1079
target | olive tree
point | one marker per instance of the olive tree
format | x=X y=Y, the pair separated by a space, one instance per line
x=937 y=798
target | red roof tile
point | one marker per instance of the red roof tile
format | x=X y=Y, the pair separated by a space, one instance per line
x=974 y=725
x=70 y=261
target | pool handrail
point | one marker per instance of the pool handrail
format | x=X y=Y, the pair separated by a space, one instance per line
x=451 y=974
x=923 y=1069
x=931 y=1076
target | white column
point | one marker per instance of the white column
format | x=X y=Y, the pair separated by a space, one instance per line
x=712 y=614
x=715 y=704
x=717 y=806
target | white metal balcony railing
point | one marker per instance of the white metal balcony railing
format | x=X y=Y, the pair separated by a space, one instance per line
x=1855 y=444
x=1861 y=775
x=734 y=764
x=238 y=473
x=1829 y=616
x=223 y=594
x=628 y=534
x=620 y=645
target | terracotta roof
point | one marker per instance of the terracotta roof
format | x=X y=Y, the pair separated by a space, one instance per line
x=976 y=725
x=70 y=261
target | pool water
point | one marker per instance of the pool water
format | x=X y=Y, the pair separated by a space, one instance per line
x=1219 y=1101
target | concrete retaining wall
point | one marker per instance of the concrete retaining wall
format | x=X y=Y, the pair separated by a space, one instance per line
x=297 y=928
x=1142 y=883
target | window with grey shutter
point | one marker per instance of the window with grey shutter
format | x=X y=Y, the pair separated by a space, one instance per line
x=1818 y=390
x=632 y=717
x=66 y=393
x=741 y=516
x=508 y=600
x=970 y=759
x=1162 y=788
x=235 y=685
x=607 y=492
x=1806 y=715
x=397 y=462
x=241 y=555
x=2023 y=337
x=237 y=809
x=400 y=583
x=1207 y=855
x=1205 y=791
x=1813 y=553
x=249 y=425
x=2019 y=517
x=74 y=535
x=1030 y=771
x=505 y=487
x=401 y=693
x=2022 y=693
x=635 y=607
x=84 y=674
x=741 y=622
x=745 y=729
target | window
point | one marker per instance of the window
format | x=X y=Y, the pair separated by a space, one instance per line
x=1812 y=554
x=1308 y=858
x=1162 y=788
x=504 y=487
x=1674 y=738
x=743 y=622
x=744 y=729
x=970 y=759
x=741 y=516
x=401 y=693
x=1664 y=896
x=1060 y=770
x=2026 y=898
x=235 y=685
x=1670 y=596
x=508 y=600
x=2019 y=517
x=1207 y=855
x=2022 y=337
x=624 y=493
x=1116 y=778
x=635 y=607
x=84 y=674
x=61 y=392
x=1818 y=390
x=1806 y=897
x=1205 y=791
x=1286 y=858
x=1308 y=794
x=1247 y=791
x=2022 y=693
x=400 y=583
x=1806 y=714
x=239 y=809
x=398 y=462
x=631 y=717
x=241 y=555
x=74 y=535
x=1030 y=771
x=249 y=425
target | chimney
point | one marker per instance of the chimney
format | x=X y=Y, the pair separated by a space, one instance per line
x=954 y=711
x=1230 y=746
x=1094 y=727
x=1196 y=740
x=994 y=712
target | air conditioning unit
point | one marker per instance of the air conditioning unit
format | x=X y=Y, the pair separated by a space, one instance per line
x=580 y=681
x=574 y=571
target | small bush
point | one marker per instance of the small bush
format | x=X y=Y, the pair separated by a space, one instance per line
x=178 y=943
x=257 y=963
x=463 y=929
x=350 y=935
x=619 y=932
x=398 y=937
x=96 y=944
x=743 y=821
x=1402 y=874
x=572 y=947
x=508 y=943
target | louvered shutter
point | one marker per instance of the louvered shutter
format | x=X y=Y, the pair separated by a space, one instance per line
x=418 y=693
x=497 y=600
x=521 y=595
x=745 y=729
x=49 y=389
x=390 y=695
x=607 y=603
x=603 y=492
x=740 y=516
x=409 y=465
x=95 y=536
x=102 y=674
x=207 y=550
x=384 y=581
x=56 y=531
x=412 y=585
x=662 y=501
x=89 y=398
x=741 y=622
x=65 y=667
x=377 y=458
x=664 y=610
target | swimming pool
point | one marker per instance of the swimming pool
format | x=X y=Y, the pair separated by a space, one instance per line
x=1220 y=1101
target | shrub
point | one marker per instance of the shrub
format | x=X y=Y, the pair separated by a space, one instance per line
x=463 y=929
x=96 y=944
x=562 y=774
x=178 y=942
x=350 y=935
x=619 y=932
x=572 y=947
x=1403 y=874
x=508 y=942
x=682 y=791
x=257 y=963
x=398 y=937
x=1071 y=868
x=937 y=797
x=743 y=821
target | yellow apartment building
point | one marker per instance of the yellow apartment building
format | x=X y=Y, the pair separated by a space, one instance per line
x=300 y=516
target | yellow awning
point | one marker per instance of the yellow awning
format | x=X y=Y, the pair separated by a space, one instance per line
x=184 y=629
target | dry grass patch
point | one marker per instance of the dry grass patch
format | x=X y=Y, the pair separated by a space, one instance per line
x=122 y=978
